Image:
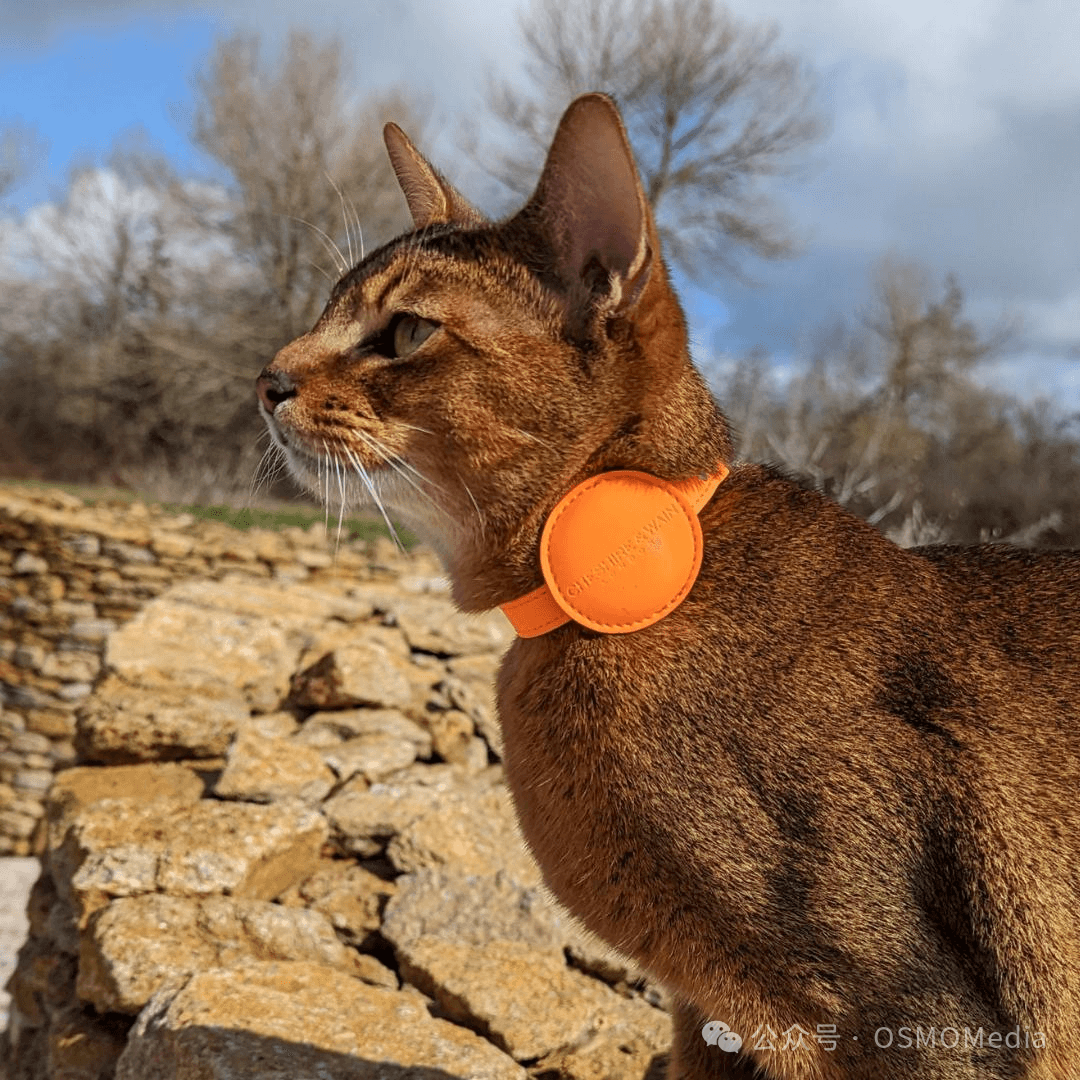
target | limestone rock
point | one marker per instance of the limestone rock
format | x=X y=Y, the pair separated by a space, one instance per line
x=370 y=756
x=526 y=1000
x=147 y=880
x=27 y=563
x=74 y=789
x=184 y=638
x=452 y=735
x=471 y=688
x=138 y=944
x=365 y=673
x=225 y=634
x=284 y=1021
x=477 y=833
x=298 y=605
x=364 y=818
x=432 y=624
x=595 y=957
x=446 y=904
x=620 y=1050
x=125 y=847
x=274 y=725
x=172 y=545
x=263 y=769
x=122 y=723
x=331 y=728
x=349 y=895
x=335 y=634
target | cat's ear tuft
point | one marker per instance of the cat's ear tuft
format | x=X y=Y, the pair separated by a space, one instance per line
x=432 y=200
x=590 y=206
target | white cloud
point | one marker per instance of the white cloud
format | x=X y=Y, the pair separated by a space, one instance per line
x=956 y=136
x=80 y=238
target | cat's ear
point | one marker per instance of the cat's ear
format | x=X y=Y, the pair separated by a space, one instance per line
x=590 y=206
x=431 y=199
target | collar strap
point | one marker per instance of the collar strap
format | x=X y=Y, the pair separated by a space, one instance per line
x=618 y=553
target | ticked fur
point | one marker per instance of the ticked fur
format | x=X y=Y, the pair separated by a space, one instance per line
x=837 y=786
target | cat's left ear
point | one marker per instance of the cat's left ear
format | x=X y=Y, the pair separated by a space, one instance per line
x=432 y=200
x=590 y=206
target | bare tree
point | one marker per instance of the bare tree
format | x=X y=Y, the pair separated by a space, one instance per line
x=120 y=363
x=137 y=321
x=710 y=103
x=927 y=345
x=889 y=420
x=309 y=184
x=20 y=150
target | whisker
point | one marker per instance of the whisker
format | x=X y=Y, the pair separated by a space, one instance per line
x=344 y=217
x=266 y=471
x=315 y=266
x=415 y=471
x=479 y=516
x=413 y=427
x=388 y=457
x=341 y=508
x=328 y=243
x=532 y=438
x=359 y=229
x=326 y=459
x=363 y=473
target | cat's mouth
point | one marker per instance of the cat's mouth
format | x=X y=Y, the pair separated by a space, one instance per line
x=355 y=469
x=312 y=459
x=312 y=451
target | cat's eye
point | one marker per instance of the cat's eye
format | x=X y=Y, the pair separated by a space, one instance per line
x=408 y=333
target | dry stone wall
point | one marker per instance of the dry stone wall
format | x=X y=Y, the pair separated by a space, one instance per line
x=70 y=574
x=280 y=844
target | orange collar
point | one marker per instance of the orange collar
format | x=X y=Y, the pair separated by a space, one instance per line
x=618 y=553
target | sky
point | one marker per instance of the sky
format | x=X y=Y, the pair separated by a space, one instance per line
x=954 y=139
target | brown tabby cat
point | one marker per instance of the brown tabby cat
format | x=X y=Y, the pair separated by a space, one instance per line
x=831 y=800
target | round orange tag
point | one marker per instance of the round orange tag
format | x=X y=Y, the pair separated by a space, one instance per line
x=620 y=551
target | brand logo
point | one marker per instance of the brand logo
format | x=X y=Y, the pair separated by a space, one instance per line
x=717 y=1033
x=643 y=541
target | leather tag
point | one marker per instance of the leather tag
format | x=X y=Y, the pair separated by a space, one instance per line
x=621 y=550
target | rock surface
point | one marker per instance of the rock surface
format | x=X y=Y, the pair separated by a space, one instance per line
x=284 y=1021
x=16 y=877
x=282 y=844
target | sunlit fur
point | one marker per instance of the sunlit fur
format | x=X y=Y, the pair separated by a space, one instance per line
x=838 y=784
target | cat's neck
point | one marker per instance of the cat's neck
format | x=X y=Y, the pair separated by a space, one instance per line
x=494 y=559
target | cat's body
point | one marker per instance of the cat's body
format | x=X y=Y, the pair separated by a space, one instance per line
x=835 y=789
x=886 y=848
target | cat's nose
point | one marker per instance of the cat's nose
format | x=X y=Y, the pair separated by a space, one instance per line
x=273 y=387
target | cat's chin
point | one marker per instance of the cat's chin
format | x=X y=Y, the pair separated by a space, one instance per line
x=343 y=492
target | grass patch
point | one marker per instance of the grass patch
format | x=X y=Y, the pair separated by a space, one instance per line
x=253 y=517
x=277 y=517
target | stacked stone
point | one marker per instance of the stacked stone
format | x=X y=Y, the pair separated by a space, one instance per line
x=69 y=575
x=287 y=849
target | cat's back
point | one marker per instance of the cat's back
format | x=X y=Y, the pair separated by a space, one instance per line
x=790 y=545
x=1027 y=601
x=804 y=610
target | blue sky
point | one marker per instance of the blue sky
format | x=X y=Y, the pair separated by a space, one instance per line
x=955 y=138
x=88 y=86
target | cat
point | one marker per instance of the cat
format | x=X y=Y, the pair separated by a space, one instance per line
x=828 y=796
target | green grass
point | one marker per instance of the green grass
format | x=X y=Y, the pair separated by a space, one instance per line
x=362 y=527
x=249 y=517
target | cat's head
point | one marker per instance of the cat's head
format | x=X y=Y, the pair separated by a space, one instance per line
x=467 y=374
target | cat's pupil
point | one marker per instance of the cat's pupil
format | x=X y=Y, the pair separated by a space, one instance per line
x=410 y=332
